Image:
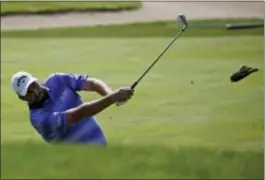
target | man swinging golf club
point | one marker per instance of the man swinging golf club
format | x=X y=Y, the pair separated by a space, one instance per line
x=57 y=111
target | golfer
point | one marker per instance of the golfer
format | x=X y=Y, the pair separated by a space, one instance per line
x=57 y=111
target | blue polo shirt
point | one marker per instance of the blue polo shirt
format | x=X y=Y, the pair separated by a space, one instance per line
x=50 y=121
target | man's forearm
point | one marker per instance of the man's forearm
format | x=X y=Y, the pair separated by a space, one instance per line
x=92 y=108
x=89 y=109
x=98 y=86
x=102 y=88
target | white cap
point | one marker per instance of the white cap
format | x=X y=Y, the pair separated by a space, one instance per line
x=21 y=82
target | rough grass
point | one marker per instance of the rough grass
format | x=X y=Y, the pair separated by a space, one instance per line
x=42 y=7
x=123 y=162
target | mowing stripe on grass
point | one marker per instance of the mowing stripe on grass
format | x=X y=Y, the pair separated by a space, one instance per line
x=12 y=8
x=151 y=29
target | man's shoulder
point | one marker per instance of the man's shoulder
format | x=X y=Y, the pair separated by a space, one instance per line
x=57 y=76
x=54 y=80
x=53 y=77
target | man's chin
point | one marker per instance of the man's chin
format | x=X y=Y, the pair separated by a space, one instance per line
x=37 y=99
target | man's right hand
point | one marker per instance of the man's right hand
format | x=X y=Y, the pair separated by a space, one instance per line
x=122 y=95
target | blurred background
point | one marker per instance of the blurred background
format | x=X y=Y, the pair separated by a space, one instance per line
x=103 y=13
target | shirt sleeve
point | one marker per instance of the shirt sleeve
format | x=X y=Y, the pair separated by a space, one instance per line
x=74 y=81
x=52 y=126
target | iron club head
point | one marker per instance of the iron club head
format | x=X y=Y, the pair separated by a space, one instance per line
x=183 y=21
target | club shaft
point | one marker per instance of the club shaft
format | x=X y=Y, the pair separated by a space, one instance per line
x=155 y=61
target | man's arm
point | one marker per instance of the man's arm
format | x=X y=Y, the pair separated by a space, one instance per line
x=85 y=83
x=97 y=85
x=81 y=82
x=94 y=107
x=53 y=125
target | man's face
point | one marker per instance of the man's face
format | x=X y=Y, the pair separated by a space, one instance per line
x=34 y=94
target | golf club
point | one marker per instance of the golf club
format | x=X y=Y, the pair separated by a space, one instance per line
x=184 y=24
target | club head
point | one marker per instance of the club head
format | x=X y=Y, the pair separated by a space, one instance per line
x=183 y=21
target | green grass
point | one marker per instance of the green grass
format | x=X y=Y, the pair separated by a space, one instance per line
x=147 y=29
x=10 y=7
x=129 y=162
x=170 y=129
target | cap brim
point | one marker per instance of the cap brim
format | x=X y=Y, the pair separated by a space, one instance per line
x=25 y=90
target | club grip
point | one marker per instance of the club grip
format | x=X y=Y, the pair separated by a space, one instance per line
x=134 y=85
